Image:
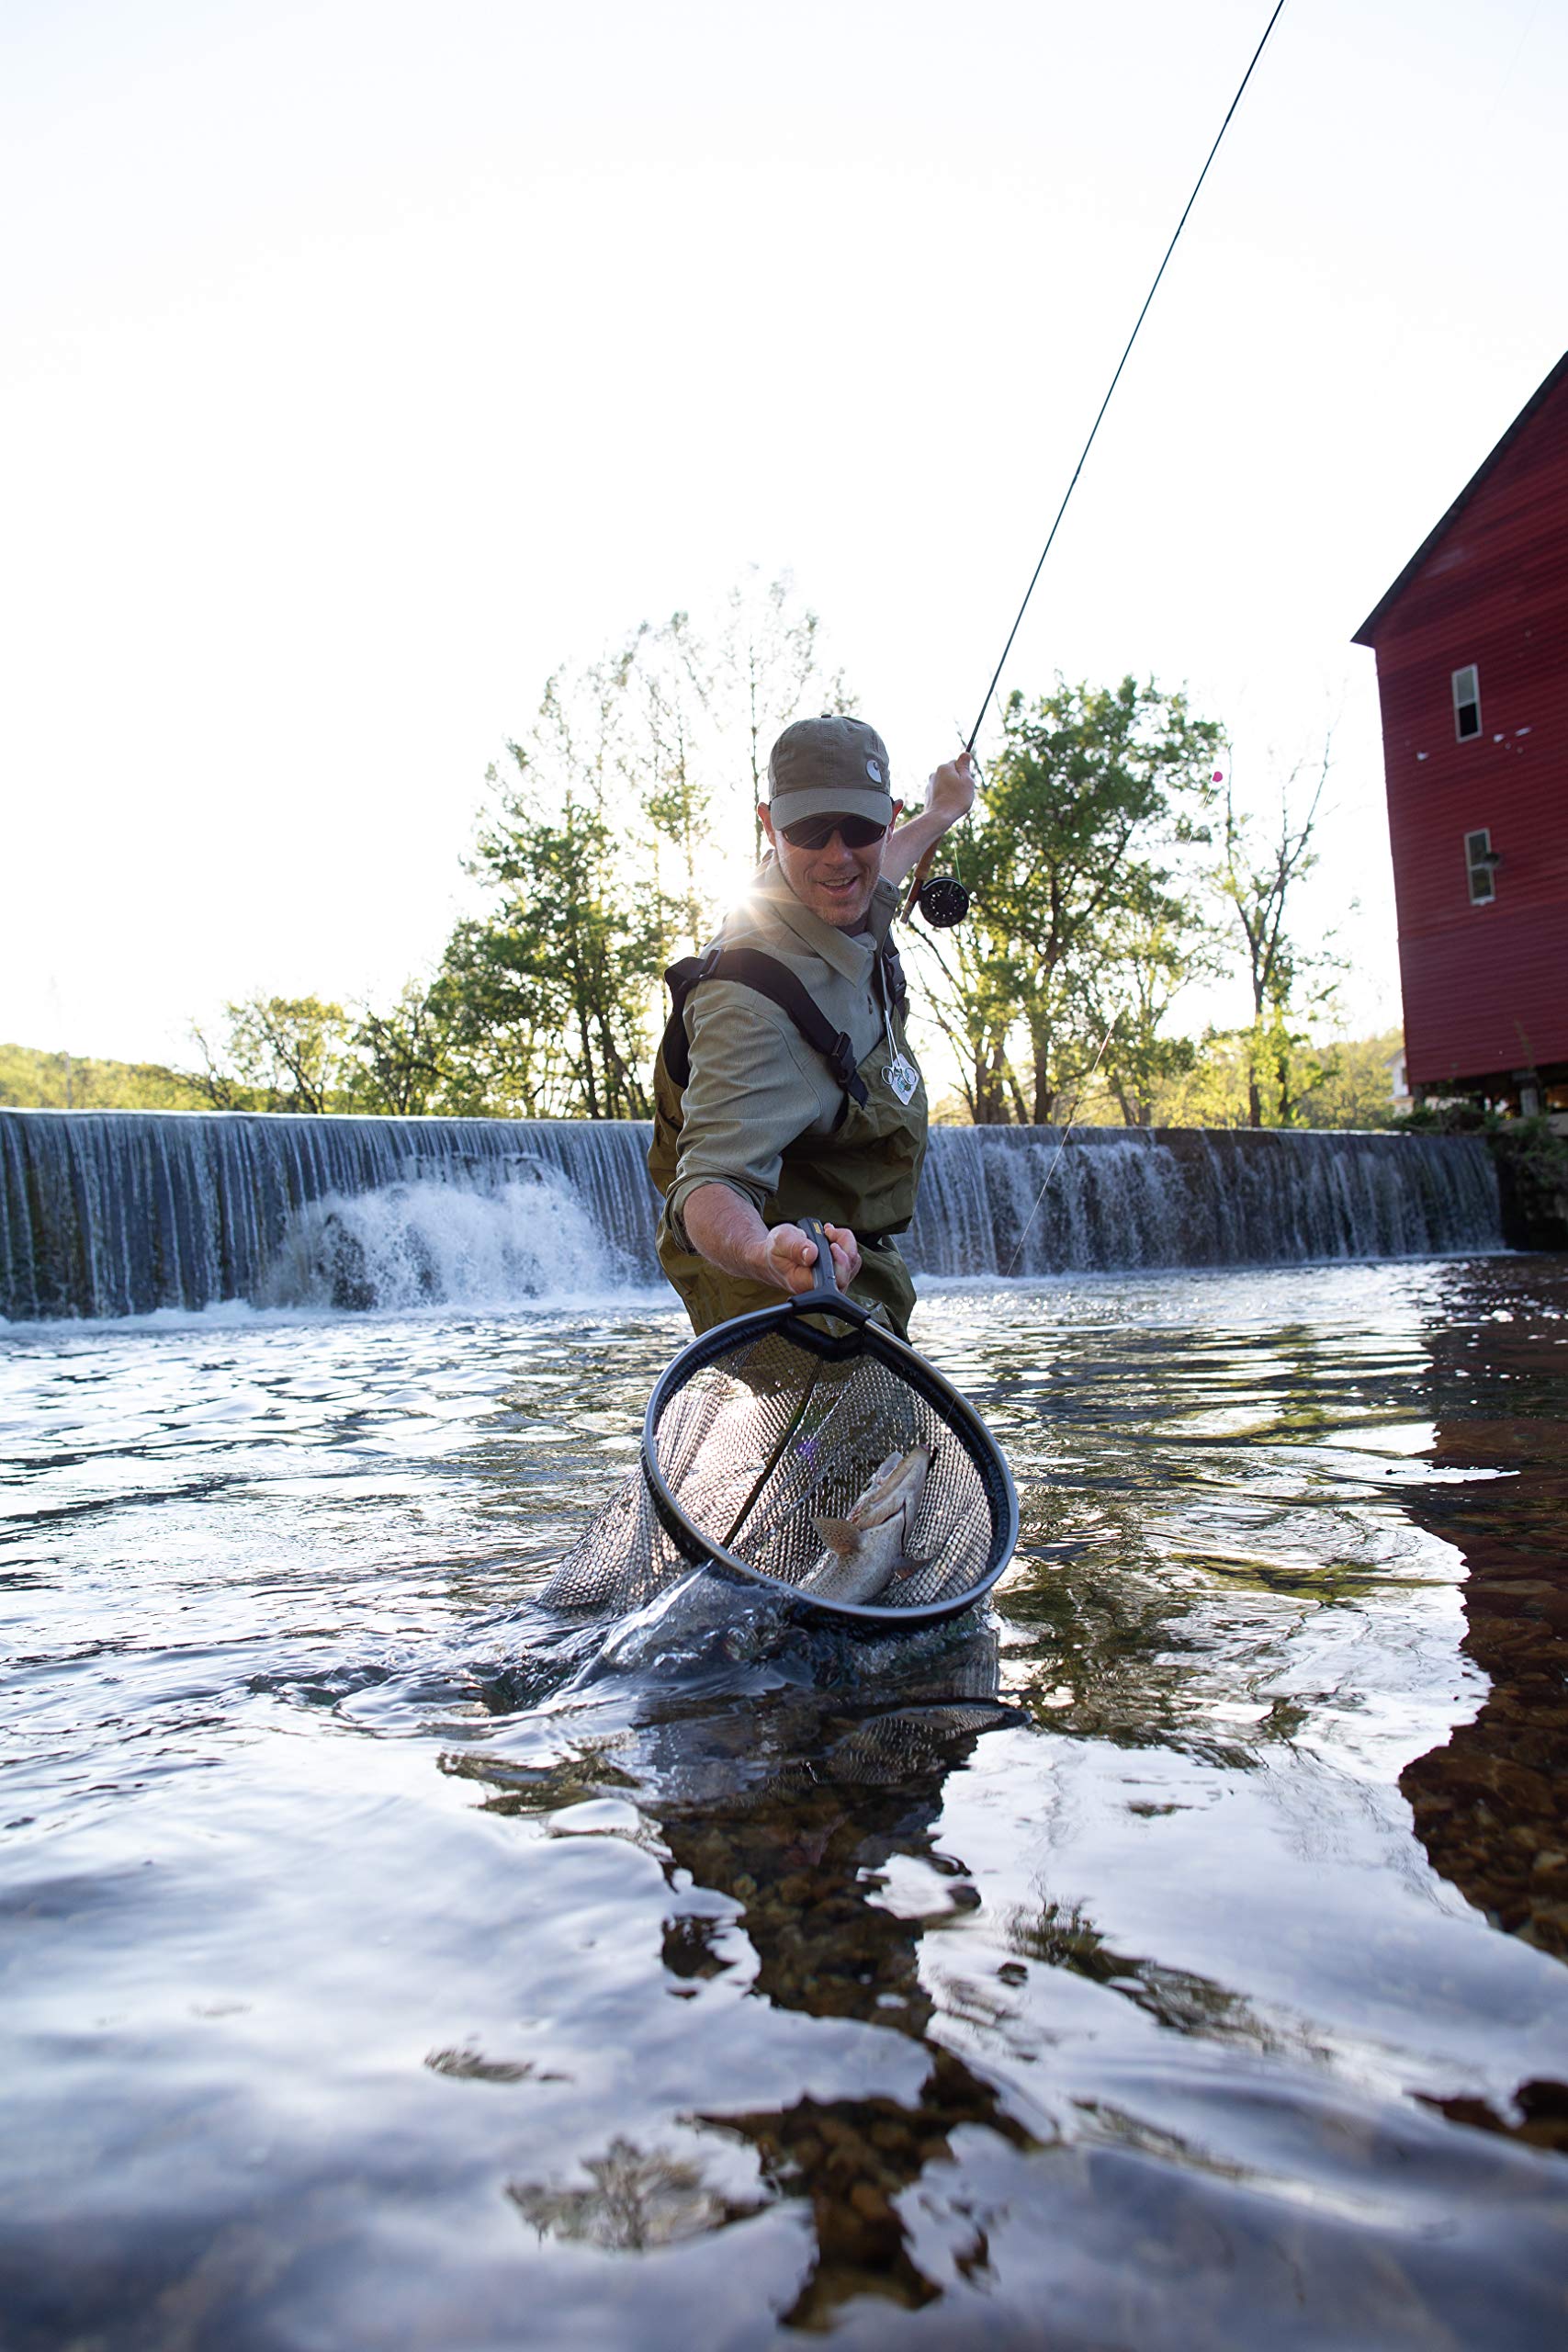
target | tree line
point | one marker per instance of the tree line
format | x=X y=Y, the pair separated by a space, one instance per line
x=1112 y=864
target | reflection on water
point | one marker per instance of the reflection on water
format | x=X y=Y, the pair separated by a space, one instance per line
x=1174 y=1958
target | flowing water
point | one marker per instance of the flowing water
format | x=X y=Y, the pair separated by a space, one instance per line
x=121 y=1213
x=1175 y=1959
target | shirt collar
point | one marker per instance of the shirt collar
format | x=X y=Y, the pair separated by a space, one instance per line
x=848 y=952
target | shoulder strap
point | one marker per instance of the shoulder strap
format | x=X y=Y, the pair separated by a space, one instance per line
x=898 y=987
x=769 y=978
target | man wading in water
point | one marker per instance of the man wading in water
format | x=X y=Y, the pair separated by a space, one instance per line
x=784 y=1086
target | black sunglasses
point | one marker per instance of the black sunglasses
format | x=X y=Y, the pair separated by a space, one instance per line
x=816 y=832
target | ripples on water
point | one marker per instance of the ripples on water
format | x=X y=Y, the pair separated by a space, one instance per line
x=1178 y=1960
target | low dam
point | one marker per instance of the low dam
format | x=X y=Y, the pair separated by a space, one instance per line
x=106 y=1213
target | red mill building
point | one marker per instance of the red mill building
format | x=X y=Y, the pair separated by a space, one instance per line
x=1471 y=645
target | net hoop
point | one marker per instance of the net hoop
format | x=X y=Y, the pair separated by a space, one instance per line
x=862 y=1337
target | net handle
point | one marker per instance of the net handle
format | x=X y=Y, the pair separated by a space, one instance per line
x=825 y=1291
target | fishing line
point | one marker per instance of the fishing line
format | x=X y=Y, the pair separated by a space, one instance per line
x=924 y=869
x=1067 y=1131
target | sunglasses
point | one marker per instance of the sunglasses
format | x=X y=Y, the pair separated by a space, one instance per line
x=816 y=832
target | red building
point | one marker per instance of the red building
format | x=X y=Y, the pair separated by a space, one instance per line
x=1471 y=645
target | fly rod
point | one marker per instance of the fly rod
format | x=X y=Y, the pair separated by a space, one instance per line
x=942 y=899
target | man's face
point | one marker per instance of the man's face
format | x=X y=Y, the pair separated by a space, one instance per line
x=834 y=882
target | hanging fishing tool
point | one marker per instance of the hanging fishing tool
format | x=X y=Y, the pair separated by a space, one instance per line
x=942 y=898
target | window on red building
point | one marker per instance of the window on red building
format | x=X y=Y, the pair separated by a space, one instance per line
x=1481 y=862
x=1467 y=703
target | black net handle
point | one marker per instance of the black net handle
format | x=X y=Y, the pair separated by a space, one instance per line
x=825 y=1291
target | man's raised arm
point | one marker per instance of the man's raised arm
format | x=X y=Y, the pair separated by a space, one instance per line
x=951 y=796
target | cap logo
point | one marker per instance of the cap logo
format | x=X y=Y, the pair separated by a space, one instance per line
x=873 y=771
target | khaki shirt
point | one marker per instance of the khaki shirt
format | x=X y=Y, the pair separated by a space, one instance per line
x=756 y=1085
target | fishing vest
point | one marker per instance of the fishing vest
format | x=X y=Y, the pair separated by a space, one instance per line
x=864 y=1173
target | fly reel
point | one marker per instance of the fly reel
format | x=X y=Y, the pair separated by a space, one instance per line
x=942 y=900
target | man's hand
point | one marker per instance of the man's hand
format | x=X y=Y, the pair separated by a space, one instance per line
x=724 y=1228
x=949 y=793
x=792 y=1259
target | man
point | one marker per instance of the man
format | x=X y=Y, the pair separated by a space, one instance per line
x=784 y=1087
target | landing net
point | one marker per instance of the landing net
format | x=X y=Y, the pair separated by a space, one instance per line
x=766 y=1424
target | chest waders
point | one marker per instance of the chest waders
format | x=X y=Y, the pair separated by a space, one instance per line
x=863 y=1173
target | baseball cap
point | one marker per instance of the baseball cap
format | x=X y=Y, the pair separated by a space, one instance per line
x=830 y=767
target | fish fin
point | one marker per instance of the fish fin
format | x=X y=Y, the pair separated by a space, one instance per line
x=902 y=1568
x=838 y=1535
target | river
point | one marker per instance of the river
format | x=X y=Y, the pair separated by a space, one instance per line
x=1176 y=1957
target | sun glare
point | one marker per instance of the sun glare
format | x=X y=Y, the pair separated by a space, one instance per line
x=723 y=877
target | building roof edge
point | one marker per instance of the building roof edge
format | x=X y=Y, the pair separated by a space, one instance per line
x=1537 y=399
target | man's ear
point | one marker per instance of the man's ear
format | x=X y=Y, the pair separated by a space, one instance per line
x=765 y=819
x=897 y=813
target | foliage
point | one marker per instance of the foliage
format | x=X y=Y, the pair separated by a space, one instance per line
x=1079 y=918
x=621 y=822
x=1532 y=1167
x=1347 y=1083
x=33 y=1080
x=612 y=832
x=1292 y=986
x=402 y=1057
x=564 y=966
x=1461 y=1117
x=607 y=851
x=1342 y=1084
x=280 y=1053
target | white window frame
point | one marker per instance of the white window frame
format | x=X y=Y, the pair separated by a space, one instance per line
x=1468 y=677
x=1478 y=866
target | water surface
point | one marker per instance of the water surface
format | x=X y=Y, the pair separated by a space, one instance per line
x=1176 y=1958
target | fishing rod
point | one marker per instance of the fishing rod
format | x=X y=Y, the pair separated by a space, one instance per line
x=943 y=899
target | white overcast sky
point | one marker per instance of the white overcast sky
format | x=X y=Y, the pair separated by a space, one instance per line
x=364 y=358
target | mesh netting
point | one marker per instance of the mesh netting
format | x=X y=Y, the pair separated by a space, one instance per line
x=767 y=1434
x=622 y=1557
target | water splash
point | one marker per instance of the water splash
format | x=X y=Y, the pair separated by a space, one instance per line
x=441 y=1243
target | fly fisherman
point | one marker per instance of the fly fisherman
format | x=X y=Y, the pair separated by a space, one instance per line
x=784 y=1087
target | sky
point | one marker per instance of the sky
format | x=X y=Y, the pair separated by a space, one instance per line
x=364 y=362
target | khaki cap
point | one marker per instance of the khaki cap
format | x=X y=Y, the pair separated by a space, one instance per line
x=830 y=767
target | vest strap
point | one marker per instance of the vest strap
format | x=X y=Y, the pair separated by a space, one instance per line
x=755 y=969
x=893 y=974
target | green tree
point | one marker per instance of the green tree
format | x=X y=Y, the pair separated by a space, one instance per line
x=567 y=959
x=400 y=1057
x=1263 y=863
x=612 y=829
x=1152 y=952
x=1094 y=797
x=30 y=1078
x=281 y=1053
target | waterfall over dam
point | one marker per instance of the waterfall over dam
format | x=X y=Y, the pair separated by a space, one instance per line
x=115 y=1212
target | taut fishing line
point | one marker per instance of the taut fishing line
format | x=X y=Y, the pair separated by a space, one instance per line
x=946 y=893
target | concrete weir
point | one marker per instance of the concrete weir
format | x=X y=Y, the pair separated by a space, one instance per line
x=123 y=1212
